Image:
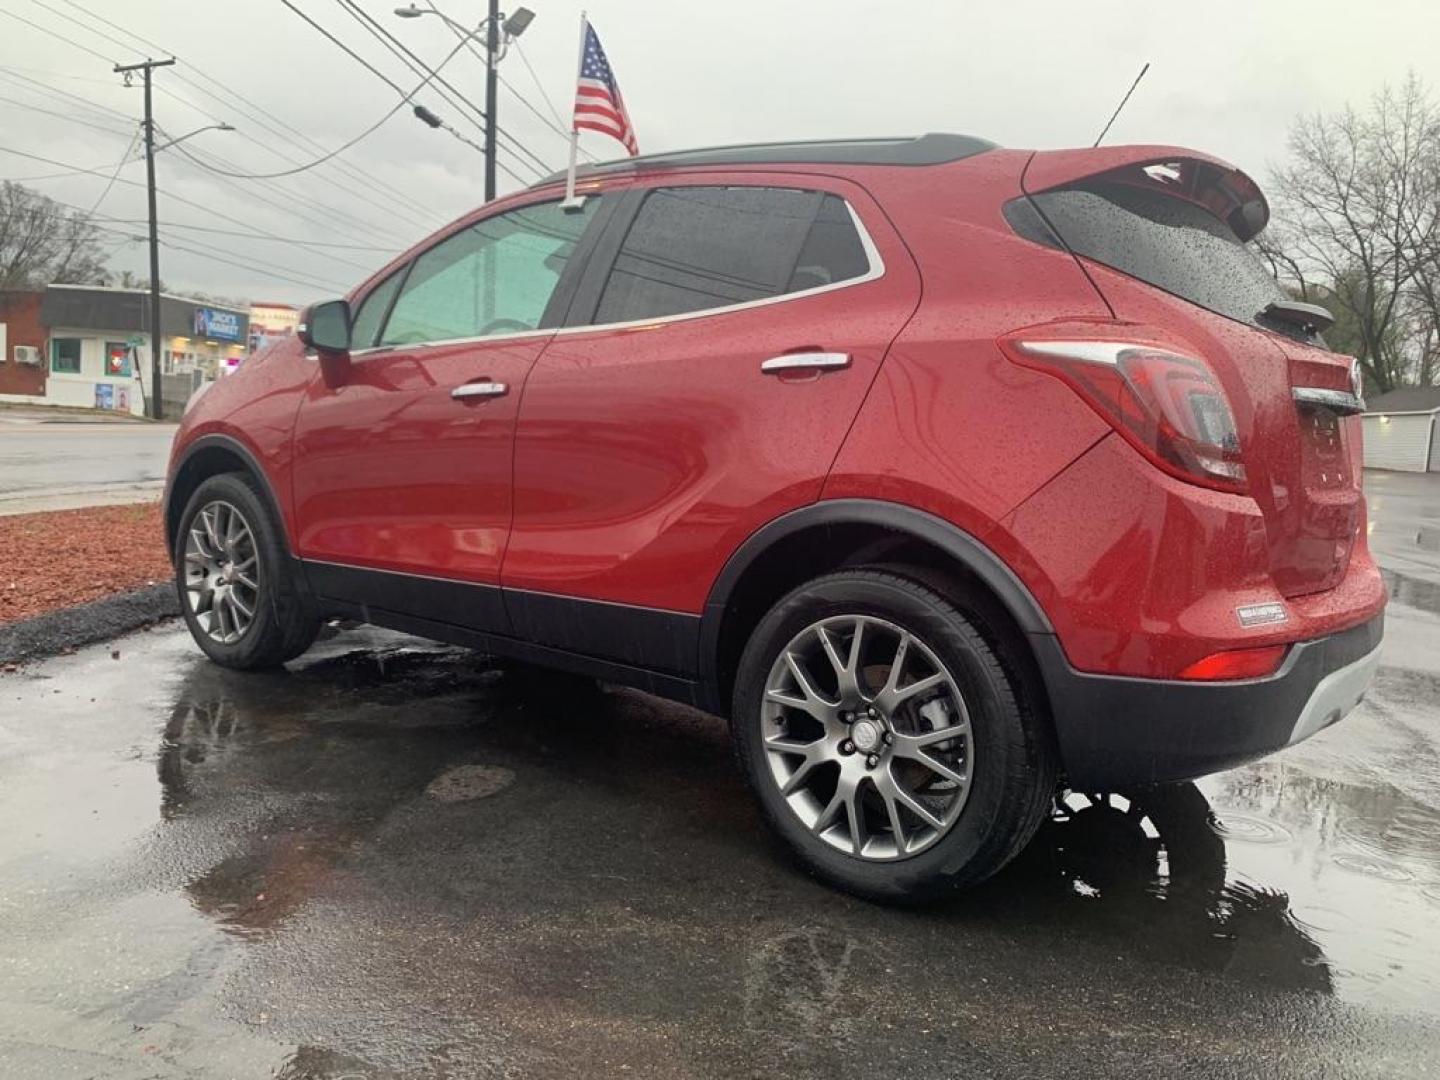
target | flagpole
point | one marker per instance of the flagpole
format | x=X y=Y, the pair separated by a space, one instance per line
x=571 y=203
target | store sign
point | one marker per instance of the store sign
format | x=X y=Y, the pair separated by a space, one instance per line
x=219 y=325
x=104 y=396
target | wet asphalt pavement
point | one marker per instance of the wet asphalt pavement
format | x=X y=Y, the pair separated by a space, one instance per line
x=45 y=464
x=395 y=859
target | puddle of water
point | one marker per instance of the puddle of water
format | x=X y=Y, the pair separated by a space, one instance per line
x=1360 y=862
x=1251 y=830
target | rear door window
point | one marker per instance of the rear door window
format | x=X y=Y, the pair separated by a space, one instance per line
x=699 y=248
x=1166 y=241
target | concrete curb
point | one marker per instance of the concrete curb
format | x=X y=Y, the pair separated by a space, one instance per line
x=84 y=624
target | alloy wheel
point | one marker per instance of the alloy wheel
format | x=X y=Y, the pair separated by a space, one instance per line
x=867 y=737
x=221 y=572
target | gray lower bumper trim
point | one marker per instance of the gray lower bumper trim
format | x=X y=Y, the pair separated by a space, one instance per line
x=1335 y=695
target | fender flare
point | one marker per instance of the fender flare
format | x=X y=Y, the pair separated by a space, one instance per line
x=240 y=450
x=964 y=548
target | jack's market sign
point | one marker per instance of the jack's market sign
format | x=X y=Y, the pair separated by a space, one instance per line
x=219 y=325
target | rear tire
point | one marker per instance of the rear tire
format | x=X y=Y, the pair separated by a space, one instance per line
x=237 y=586
x=821 y=727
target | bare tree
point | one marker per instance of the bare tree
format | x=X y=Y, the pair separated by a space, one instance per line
x=1355 y=215
x=43 y=242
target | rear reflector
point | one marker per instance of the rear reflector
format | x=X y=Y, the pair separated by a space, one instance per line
x=1237 y=664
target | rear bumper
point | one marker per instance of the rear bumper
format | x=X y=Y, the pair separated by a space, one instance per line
x=1115 y=730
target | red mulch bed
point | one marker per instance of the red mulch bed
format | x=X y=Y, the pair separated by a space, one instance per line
x=66 y=557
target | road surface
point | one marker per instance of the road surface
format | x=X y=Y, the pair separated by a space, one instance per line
x=51 y=465
x=396 y=859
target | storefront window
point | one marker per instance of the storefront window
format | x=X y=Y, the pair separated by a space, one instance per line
x=117 y=359
x=65 y=355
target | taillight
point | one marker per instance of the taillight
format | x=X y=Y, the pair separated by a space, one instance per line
x=1169 y=406
x=1237 y=664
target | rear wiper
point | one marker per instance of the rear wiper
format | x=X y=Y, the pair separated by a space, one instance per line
x=1312 y=318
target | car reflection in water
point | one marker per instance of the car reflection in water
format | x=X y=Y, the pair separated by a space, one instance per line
x=280 y=786
x=1147 y=868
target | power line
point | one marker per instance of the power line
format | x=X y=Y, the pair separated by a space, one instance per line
x=211 y=253
x=351 y=224
x=343 y=220
x=408 y=57
x=135 y=183
x=118 y=166
x=404 y=100
x=198 y=228
x=347 y=221
x=549 y=124
x=468 y=40
x=325 y=209
x=215 y=254
x=353 y=175
x=63 y=116
x=558 y=126
x=520 y=52
x=377 y=72
x=64 y=97
x=358 y=185
x=256 y=236
x=318 y=161
x=59 y=36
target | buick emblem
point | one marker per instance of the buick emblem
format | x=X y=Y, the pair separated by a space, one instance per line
x=866 y=736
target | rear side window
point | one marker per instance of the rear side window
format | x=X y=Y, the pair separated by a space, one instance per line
x=695 y=248
x=1165 y=241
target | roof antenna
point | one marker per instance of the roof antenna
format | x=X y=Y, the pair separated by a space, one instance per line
x=1123 y=100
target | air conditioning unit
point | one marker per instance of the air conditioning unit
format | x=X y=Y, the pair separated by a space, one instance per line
x=27 y=354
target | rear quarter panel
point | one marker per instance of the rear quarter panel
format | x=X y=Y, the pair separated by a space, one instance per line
x=951 y=426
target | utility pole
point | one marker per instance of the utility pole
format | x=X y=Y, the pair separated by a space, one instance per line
x=492 y=46
x=157 y=407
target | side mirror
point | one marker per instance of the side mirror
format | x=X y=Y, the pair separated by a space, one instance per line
x=326 y=329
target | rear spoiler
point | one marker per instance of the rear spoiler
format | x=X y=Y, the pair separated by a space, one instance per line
x=1207 y=181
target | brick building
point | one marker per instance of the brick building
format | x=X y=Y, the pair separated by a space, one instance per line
x=89 y=346
x=22 y=345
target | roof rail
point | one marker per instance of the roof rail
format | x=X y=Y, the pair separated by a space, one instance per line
x=932 y=149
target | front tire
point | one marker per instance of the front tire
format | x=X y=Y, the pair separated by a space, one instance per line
x=237 y=588
x=886 y=741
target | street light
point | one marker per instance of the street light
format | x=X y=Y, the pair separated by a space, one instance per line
x=222 y=126
x=500 y=30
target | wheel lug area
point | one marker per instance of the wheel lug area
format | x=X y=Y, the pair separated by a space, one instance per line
x=847 y=747
x=872 y=761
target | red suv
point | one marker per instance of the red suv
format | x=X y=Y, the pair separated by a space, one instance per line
x=946 y=472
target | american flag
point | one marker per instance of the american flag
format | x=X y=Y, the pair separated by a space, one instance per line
x=598 y=104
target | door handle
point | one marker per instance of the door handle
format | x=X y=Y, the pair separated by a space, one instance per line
x=479 y=389
x=802 y=361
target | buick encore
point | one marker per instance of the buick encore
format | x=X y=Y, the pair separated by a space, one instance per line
x=948 y=473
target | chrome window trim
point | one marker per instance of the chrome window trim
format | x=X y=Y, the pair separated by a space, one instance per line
x=518 y=335
x=867 y=243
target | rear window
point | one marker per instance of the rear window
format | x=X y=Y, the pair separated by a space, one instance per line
x=1165 y=241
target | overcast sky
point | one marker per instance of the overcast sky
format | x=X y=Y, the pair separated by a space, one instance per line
x=1224 y=78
